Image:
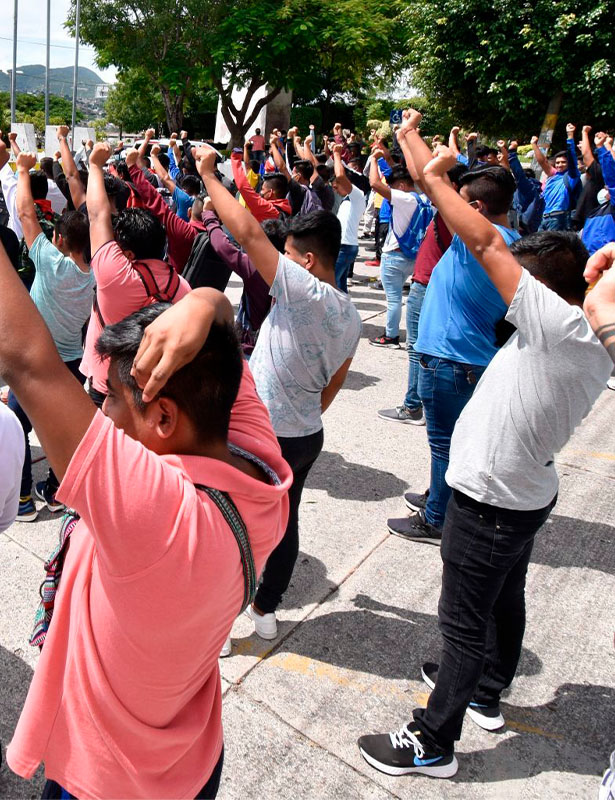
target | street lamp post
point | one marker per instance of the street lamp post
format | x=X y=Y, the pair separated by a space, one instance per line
x=14 y=70
x=47 y=63
x=77 y=20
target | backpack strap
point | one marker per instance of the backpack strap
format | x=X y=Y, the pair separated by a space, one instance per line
x=236 y=524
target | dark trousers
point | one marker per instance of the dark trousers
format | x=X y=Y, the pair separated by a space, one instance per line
x=300 y=453
x=26 y=473
x=380 y=235
x=481 y=614
x=53 y=790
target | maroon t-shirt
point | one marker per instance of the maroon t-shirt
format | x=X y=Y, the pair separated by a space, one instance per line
x=431 y=250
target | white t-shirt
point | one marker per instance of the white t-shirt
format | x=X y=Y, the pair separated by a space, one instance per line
x=12 y=448
x=55 y=197
x=531 y=397
x=349 y=213
x=403 y=206
x=311 y=330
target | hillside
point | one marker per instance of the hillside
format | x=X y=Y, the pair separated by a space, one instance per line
x=60 y=81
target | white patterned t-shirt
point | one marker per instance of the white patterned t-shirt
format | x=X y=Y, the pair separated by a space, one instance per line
x=311 y=330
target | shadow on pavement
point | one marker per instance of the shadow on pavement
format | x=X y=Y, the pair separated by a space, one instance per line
x=570 y=542
x=369 y=307
x=355 y=381
x=309 y=583
x=350 y=481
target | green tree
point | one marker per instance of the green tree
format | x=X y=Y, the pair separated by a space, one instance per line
x=33 y=105
x=134 y=103
x=187 y=46
x=495 y=65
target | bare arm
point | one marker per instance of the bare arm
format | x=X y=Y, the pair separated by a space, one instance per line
x=480 y=236
x=299 y=149
x=586 y=148
x=338 y=167
x=453 y=140
x=99 y=208
x=25 y=202
x=334 y=385
x=161 y=171
x=14 y=146
x=541 y=158
x=239 y=221
x=142 y=151
x=376 y=183
x=503 y=154
x=309 y=153
x=53 y=399
x=278 y=158
x=599 y=305
x=77 y=190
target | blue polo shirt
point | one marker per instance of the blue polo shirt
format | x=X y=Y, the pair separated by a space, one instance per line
x=183 y=203
x=556 y=192
x=461 y=308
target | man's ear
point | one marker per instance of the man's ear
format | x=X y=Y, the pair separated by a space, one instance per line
x=163 y=415
x=310 y=261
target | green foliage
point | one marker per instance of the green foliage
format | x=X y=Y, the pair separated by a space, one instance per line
x=38 y=120
x=304 y=116
x=133 y=103
x=30 y=108
x=524 y=150
x=495 y=65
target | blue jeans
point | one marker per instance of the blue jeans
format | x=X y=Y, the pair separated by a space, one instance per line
x=444 y=388
x=557 y=221
x=345 y=260
x=413 y=311
x=395 y=268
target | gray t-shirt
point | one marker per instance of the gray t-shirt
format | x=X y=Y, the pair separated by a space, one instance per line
x=311 y=330
x=531 y=397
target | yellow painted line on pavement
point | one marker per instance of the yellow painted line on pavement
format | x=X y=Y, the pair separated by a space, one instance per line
x=521 y=727
x=590 y=454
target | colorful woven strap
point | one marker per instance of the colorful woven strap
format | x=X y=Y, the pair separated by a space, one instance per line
x=236 y=524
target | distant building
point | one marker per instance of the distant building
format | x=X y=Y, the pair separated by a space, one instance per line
x=102 y=91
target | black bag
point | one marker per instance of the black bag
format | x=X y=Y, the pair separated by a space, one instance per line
x=205 y=267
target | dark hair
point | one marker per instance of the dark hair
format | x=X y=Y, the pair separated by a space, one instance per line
x=557 y=258
x=147 y=161
x=117 y=189
x=191 y=185
x=74 y=228
x=10 y=242
x=399 y=173
x=321 y=158
x=561 y=154
x=255 y=165
x=38 y=185
x=47 y=166
x=164 y=160
x=304 y=168
x=529 y=173
x=319 y=232
x=257 y=131
x=455 y=173
x=325 y=172
x=275 y=230
x=205 y=389
x=279 y=184
x=494 y=186
x=137 y=229
x=123 y=171
x=484 y=150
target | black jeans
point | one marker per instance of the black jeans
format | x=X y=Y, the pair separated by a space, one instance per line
x=300 y=453
x=53 y=790
x=380 y=235
x=26 y=473
x=481 y=614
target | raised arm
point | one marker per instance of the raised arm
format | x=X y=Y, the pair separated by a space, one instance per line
x=99 y=208
x=586 y=148
x=504 y=154
x=240 y=222
x=261 y=208
x=278 y=158
x=571 y=154
x=526 y=190
x=160 y=170
x=541 y=158
x=338 y=167
x=607 y=165
x=25 y=202
x=376 y=183
x=309 y=152
x=142 y=151
x=599 y=304
x=453 y=140
x=174 y=158
x=8 y=183
x=77 y=191
x=299 y=149
x=480 y=236
x=419 y=154
x=14 y=146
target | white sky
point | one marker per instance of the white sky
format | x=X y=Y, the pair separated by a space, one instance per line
x=32 y=33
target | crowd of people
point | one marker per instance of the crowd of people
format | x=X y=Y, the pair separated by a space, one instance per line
x=169 y=422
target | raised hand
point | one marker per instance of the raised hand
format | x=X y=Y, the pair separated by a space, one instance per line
x=600 y=138
x=26 y=161
x=132 y=156
x=570 y=129
x=338 y=149
x=149 y=134
x=155 y=150
x=471 y=136
x=443 y=160
x=513 y=145
x=587 y=129
x=62 y=131
x=601 y=261
x=12 y=136
x=100 y=154
x=205 y=158
x=534 y=140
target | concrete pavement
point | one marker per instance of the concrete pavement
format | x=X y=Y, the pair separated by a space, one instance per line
x=360 y=618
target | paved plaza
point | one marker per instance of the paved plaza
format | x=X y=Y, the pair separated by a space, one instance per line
x=360 y=619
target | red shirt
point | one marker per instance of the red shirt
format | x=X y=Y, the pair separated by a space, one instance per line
x=431 y=250
x=258 y=142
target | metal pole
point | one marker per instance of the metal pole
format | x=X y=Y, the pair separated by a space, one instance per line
x=14 y=72
x=75 y=73
x=47 y=63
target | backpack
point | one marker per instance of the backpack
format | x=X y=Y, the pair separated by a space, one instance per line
x=311 y=202
x=154 y=293
x=410 y=241
x=204 y=267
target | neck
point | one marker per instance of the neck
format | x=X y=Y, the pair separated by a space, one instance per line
x=324 y=275
x=79 y=261
x=499 y=219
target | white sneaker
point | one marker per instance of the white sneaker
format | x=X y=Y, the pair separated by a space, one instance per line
x=265 y=625
x=227 y=648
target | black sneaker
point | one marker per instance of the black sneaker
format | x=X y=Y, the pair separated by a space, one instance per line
x=489 y=718
x=402 y=752
x=41 y=490
x=410 y=416
x=416 y=502
x=415 y=528
x=386 y=341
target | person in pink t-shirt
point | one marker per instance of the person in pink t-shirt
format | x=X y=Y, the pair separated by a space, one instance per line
x=127 y=264
x=126 y=700
x=258 y=145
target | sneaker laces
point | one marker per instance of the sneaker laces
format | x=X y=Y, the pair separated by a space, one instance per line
x=405 y=738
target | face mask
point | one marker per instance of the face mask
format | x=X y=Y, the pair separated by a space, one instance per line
x=603 y=196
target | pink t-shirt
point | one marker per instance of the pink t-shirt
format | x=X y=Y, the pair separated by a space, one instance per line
x=125 y=701
x=258 y=142
x=120 y=292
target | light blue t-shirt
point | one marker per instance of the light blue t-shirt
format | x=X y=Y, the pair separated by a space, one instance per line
x=311 y=330
x=555 y=194
x=183 y=203
x=63 y=294
x=461 y=307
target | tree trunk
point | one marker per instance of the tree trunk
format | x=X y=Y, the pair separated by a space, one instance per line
x=173 y=109
x=239 y=120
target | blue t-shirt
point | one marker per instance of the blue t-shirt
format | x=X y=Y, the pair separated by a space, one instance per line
x=183 y=203
x=461 y=308
x=556 y=194
x=63 y=294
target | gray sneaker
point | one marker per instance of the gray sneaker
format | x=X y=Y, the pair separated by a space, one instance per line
x=411 y=416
